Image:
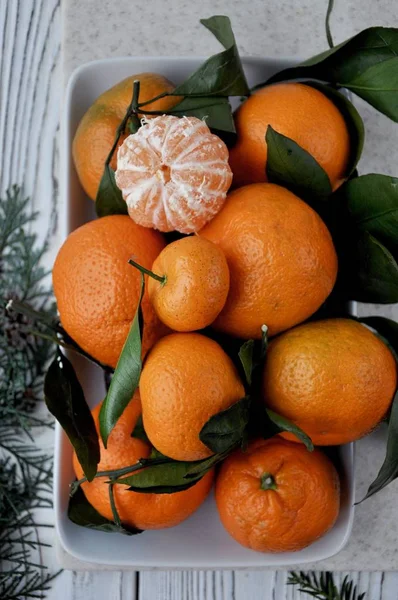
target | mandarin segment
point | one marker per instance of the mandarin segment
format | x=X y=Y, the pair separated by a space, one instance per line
x=281 y=258
x=196 y=284
x=97 y=290
x=334 y=378
x=299 y=112
x=96 y=131
x=276 y=496
x=186 y=379
x=173 y=174
x=135 y=509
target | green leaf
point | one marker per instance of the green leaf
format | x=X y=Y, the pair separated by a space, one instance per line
x=246 y=358
x=65 y=400
x=126 y=377
x=201 y=467
x=82 y=513
x=366 y=64
x=226 y=428
x=352 y=118
x=293 y=167
x=109 y=200
x=215 y=111
x=222 y=74
x=165 y=478
x=372 y=201
x=139 y=431
x=281 y=424
x=372 y=274
x=389 y=468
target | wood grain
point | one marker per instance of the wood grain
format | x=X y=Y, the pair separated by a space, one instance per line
x=30 y=99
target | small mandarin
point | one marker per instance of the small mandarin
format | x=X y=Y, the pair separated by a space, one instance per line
x=135 y=509
x=186 y=379
x=334 y=378
x=276 y=496
x=195 y=284
x=173 y=174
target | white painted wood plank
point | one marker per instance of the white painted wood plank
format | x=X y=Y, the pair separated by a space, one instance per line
x=30 y=99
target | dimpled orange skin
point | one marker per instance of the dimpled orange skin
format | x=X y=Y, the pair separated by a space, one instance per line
x=96 y=132
x=186 y=379
x=281 y=259
x=334 y=378
x=97 y=290
x=302 y=508
x=145 y=511
x=299 y=112
x=196 y=287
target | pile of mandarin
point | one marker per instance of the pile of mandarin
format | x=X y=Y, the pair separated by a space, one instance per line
x=248 y=253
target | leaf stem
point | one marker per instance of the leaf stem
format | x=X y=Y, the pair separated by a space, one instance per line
x=159 y=97
x=161 y=278
x=327 y=24
x=114 y=474
x=28 y=311
x=122 y=127
x=136 y=93
x=115 y=514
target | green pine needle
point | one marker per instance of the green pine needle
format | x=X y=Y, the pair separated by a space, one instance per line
x=323 y=587
x=25 y=470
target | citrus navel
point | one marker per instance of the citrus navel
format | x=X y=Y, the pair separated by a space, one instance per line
x=96 y=132
x=173 y=174
x=276 y=496
x=299 y=112
x=97 y=290
x=141 y=510
x=281 y=258
x=186 y=379
x=334 y=378
x=193 y=283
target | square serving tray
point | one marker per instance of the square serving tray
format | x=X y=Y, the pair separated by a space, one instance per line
x=200 y=542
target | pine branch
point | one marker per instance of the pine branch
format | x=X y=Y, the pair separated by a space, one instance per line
x=25 y=470
x=323 y=587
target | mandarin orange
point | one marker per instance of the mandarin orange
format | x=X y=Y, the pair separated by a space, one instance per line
x=195 y=284
x=173 y=174
x=281 y=258
x=276 y=496
x=97 y=290
x=299 y=112
x=96 y=132
x=186 y=379
x=334 y=378
x=141 y=510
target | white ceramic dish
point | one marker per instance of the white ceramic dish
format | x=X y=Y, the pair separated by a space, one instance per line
x=200 y=542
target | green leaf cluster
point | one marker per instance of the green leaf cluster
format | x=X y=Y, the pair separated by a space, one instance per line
x=366 y=64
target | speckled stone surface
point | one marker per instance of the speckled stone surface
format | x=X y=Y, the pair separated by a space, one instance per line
x=98 y=28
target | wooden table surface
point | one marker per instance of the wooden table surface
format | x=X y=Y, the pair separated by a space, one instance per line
x=30 y=98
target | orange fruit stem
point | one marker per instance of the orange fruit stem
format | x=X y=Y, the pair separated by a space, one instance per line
x=161 y=278
x=267 y=482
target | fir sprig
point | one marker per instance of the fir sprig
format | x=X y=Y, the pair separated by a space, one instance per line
x=25 y=470
x=323 y=587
